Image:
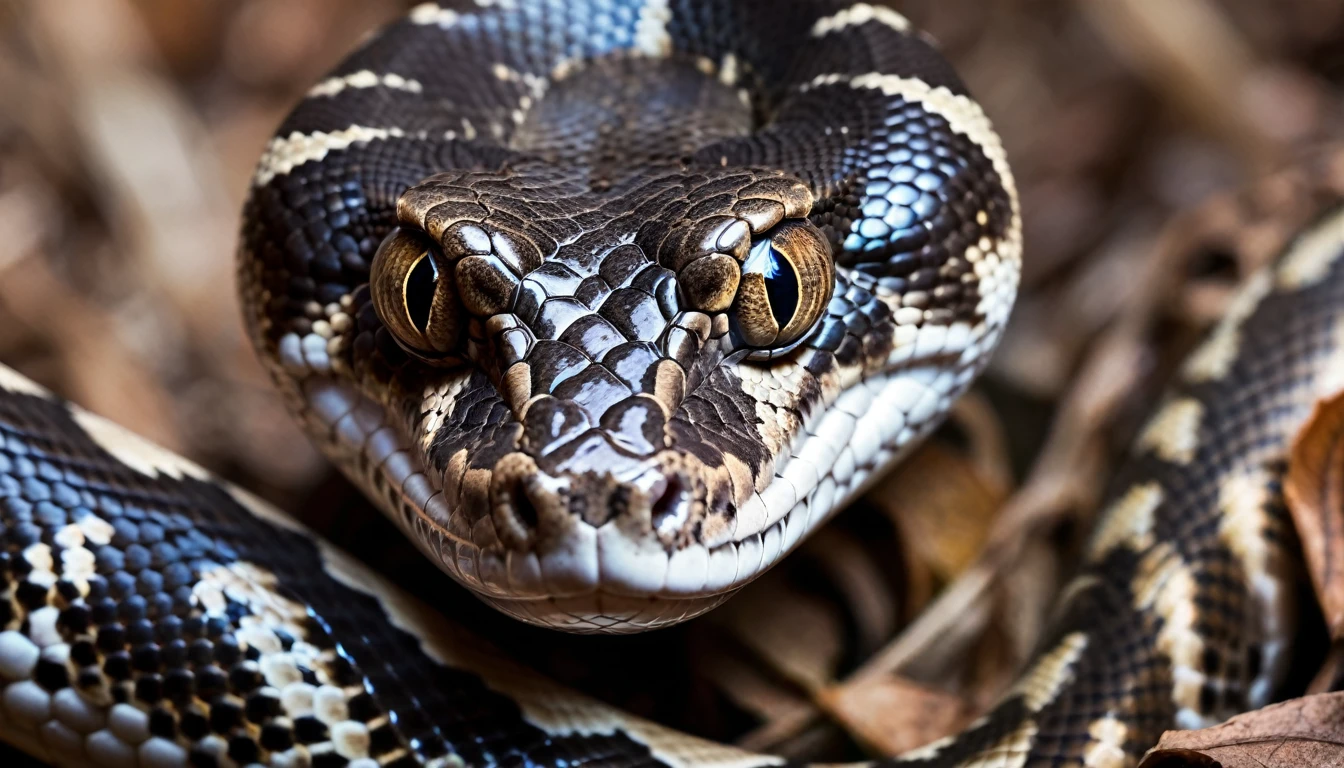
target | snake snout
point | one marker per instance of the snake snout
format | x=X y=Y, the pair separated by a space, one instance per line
x=533 y=510
x=595 y=533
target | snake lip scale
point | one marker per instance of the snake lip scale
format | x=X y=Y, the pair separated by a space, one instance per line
x=608 y=304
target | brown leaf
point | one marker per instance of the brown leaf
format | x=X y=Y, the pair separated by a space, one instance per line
x=1314 y=489
x=1302 y=732
x=1195 y=54
x=893 y=715
x=942 y=505
x=797 y=635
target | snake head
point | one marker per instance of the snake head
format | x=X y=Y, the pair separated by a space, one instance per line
x=578 y=407
x=607 y=337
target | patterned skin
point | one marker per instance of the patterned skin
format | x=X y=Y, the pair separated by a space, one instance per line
x=576 y=412
x=155 y=616
x=1189 y=602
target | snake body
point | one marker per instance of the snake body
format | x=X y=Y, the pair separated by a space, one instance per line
x=516 y=266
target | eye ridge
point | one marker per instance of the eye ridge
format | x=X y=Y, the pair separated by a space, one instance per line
x=418 y=291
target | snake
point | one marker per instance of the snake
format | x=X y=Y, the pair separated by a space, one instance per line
x=608 y=304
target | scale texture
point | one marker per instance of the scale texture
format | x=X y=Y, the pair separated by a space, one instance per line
x=590 y=444
x=587 y=430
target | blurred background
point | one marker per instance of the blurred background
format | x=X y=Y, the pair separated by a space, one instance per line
x=1162 y=150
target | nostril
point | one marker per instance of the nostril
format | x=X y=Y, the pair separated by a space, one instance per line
x=523 y=508
x=671 y=506
x=515 y=513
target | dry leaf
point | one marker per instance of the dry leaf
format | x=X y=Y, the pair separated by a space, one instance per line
x=1314 y=489
x=893 y=715
x=871 y=598
x=798 y=636
x=1302 y=732
x=942 y=506
x=1193 y=52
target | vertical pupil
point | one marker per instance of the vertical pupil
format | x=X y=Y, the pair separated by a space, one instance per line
x=420 y=283
x=781 y=282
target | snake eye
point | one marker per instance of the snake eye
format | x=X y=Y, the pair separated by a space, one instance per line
x=781 y=280
x=787 y=280
x=412 y=297
x=418 y=291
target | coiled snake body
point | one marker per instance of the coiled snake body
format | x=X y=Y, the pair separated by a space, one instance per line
x=609 y=303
